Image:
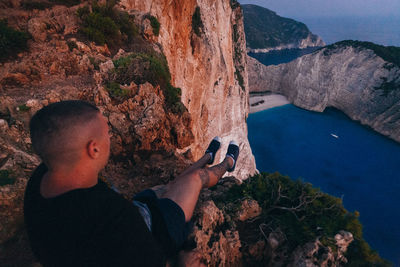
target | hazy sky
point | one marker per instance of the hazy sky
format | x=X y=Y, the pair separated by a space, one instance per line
x=324 y=8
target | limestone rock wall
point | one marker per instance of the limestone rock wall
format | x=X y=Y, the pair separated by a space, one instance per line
x=353 y=80
x=206 y=68
x=311 y=40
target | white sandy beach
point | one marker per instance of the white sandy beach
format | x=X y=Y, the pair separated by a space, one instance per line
x=266 y=101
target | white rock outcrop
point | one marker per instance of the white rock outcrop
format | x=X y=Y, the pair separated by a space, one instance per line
x=352 y=79
x=311 y=40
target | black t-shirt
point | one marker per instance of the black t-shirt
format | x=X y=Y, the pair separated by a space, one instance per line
x=87 y=227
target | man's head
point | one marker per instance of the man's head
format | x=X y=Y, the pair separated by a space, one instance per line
x=68 y=133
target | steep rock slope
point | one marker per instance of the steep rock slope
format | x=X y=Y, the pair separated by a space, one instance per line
x=360 y=79
x=207 y=61
x=266 y=31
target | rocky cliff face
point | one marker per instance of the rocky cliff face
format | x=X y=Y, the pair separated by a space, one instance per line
x=352 y=79
x=311 y=40
x=209 y=67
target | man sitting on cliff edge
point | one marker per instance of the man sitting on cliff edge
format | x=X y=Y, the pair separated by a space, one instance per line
x=74 y=219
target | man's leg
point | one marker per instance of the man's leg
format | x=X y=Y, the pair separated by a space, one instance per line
x=208 y=158
x=201 y=163
x=185 y=189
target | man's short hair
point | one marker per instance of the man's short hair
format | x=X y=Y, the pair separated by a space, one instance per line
x=49 y=125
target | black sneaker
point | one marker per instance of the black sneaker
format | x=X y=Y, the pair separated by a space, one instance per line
x=213 y=148
x=233 y=152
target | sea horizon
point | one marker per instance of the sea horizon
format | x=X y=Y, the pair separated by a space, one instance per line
x=383 y=30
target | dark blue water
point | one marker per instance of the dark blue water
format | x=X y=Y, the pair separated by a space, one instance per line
x=277 y=57
x=361 y=166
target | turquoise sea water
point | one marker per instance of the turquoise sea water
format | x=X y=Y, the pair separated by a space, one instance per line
x=360 y=165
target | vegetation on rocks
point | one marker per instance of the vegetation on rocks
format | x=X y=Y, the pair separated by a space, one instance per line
x=66 y=2
x=173 y=99
x=303 y=213
x=95 y=62
x=72 y=45
x=103 y=24
x=11 y=41
x=40 y=5
x=23 y=108
x=234 y=4
x=116 y=91
x=388 y=53
x=43 y=4
x=155 y=24
x=237 y=56
x=6 y=177
x=141 y=68
x=387 y=86
x=153 y=68
x=264 y=28
x=197 y=23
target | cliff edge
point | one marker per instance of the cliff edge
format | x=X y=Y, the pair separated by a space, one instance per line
x=205 y=47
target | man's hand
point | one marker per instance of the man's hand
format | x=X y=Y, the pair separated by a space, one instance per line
x=190 y=259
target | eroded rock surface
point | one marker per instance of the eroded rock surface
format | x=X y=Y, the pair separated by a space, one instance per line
x=314 y=254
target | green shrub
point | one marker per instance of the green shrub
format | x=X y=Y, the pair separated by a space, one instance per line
x=95 y=63
x=155 y=25
x=43 y=4
x=23 y=108
x=141 y=68
x=234 y=4
x=197 y=23
x=82 y=12
x=72 y=45
x=11 y=41
x=173 y=99
x=104 y=24
x=66 y=2
x=126 y=25
x=98 y=28
x=303 y=213
x=123 y=62
x=116 y=91
x=239 y=78
x=40 y=5
x=6 y=177
x=153 y=68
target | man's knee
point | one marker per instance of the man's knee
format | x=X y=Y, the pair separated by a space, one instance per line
x=201 y=176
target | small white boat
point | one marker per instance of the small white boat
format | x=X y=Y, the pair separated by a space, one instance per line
x=334 y=135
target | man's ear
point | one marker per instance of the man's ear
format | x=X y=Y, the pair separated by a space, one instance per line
x=93 y=149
